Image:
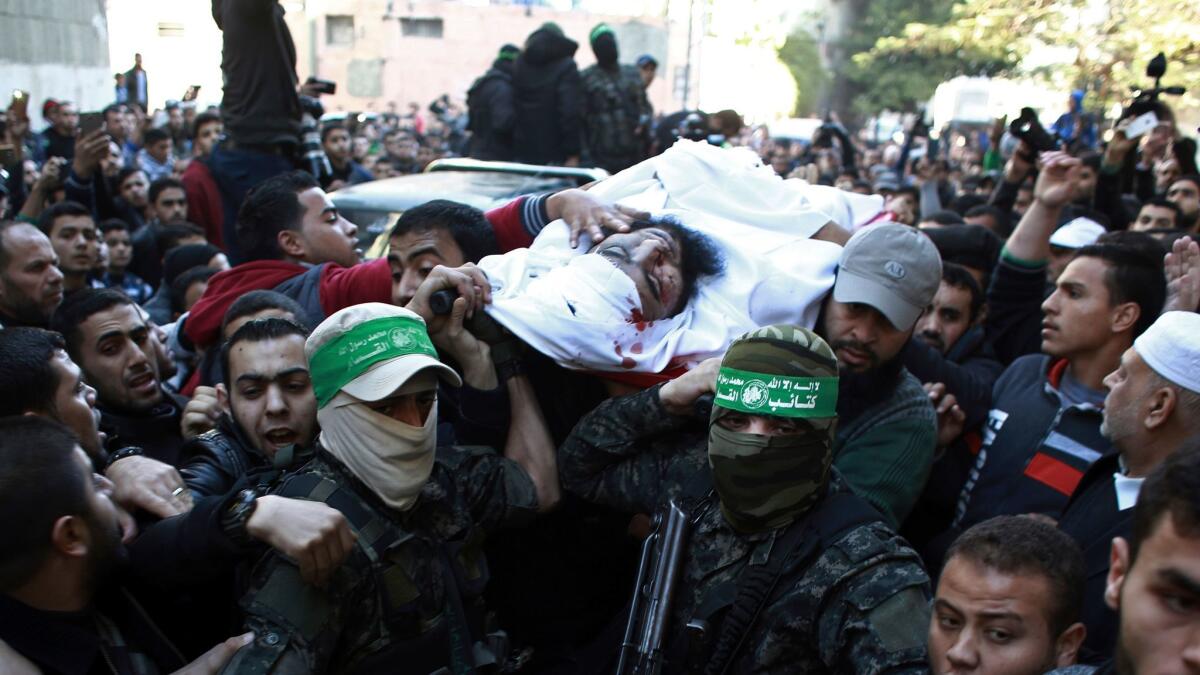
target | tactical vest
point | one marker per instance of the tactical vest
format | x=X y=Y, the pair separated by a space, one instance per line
x=725 y=615
x=612 y=114
x=430 y=591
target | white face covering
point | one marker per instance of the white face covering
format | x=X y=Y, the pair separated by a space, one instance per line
x=394 y=459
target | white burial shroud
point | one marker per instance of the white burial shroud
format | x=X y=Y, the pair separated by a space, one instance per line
x=584 y=313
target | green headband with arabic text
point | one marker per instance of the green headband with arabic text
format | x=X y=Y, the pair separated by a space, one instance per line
x=337 y=362
x=762 y=394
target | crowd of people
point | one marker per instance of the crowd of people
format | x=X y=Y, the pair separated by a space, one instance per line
x=980 y=454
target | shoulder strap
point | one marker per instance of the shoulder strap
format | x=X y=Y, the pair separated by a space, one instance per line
x=373 y=532
x=837 y=514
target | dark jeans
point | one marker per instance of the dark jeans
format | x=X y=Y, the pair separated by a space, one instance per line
x=235 y=172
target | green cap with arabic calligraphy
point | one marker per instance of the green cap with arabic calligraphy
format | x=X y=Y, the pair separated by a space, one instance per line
x=786 y=371
x=370 y=351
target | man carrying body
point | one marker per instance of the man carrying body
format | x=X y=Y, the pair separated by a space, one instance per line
x=375 y=377
x=1008 y=601
x=844 y=579
x=886 y=434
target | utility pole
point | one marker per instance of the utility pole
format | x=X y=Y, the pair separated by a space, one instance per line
x=687 y=65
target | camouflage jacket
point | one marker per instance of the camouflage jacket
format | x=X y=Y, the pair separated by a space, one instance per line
x=391 y=606
x=860 y=606
x=614 y=108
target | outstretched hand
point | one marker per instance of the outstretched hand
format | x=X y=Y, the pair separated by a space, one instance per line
x=950 y=416
x=1182 y=266
x=679 y=395
x=143 y=483
x=214 y=660
x=1058 y=180
x=586 y=213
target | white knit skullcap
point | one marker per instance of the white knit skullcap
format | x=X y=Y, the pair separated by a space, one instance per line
x=1171 y=347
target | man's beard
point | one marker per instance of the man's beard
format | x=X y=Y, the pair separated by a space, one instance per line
x=859 y=391
x=108 y=552
x=934 y=341
x=22 y=308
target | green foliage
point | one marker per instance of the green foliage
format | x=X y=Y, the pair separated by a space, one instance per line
x=1101 y=46
x=801 y=54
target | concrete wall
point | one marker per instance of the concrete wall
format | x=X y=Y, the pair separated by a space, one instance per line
x=55 y=49
x=382 y=65
x=179 y=43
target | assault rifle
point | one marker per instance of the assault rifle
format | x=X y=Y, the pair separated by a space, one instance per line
x=653 y=593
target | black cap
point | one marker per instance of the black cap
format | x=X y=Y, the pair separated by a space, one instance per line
x=968 y=245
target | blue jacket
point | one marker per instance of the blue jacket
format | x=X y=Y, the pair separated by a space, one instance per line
x=1035 y=451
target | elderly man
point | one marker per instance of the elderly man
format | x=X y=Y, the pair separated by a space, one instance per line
x=1151 y=411
x=410 y=592
x=755 y=477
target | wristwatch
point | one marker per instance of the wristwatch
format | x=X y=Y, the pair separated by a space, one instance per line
x=237 y=514
x=122 y=453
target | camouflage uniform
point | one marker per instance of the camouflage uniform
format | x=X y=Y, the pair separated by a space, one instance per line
x=861 y=606
x=391 y=606
x=615 y=107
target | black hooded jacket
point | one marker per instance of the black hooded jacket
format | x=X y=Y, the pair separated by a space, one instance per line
x=548 y=94
x=492 y=114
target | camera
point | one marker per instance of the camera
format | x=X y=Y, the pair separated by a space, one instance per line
x=1029 y=129
x=312 y=154
x=1146 y=100
x=319 y=87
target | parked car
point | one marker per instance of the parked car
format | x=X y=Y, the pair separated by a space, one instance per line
x=376 y=205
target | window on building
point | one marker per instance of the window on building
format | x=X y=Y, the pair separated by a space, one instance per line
x=418 y=27
x=339 y=30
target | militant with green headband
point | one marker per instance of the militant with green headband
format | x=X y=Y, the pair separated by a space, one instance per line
x=337 y=362
x=766 y=482
x=600 y=29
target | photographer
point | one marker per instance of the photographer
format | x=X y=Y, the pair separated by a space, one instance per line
x=261 y=107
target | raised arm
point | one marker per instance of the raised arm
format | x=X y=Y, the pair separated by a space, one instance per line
x=529 y=443
x=1055 y=185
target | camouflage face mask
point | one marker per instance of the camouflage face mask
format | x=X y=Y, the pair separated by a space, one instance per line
x=766 y=482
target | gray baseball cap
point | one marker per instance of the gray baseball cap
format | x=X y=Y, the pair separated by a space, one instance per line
x=894 y=268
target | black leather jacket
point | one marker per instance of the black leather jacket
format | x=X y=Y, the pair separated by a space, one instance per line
x=215 y=461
